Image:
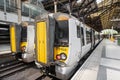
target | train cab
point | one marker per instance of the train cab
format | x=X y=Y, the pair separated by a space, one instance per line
x=22 y=41
x=27 y=42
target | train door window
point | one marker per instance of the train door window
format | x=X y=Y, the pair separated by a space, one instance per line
x=82 y=36
x=91 y=33
x=78 y=31
x=61 y=33
x=93 y=36
x=96 y=37
x=24 y=34
x=88 y=34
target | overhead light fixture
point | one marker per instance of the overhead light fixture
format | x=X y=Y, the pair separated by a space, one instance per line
x=78 y=1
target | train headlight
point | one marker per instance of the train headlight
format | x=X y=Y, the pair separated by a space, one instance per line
x=23 y=49
x=63 y=56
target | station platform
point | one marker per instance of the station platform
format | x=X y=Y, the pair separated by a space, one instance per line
x=5 y=49
x=103 y=63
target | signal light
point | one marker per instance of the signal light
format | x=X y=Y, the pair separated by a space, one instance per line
x=58 y=57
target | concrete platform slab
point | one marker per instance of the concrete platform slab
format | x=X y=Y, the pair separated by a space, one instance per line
x=105 y=67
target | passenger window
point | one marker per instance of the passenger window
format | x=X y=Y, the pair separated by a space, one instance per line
x=78 y=31
x=82 y=36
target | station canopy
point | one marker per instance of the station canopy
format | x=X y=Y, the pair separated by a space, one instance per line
x=81 y=9
x=109 y=12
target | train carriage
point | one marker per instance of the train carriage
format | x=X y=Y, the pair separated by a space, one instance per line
x=61 y=41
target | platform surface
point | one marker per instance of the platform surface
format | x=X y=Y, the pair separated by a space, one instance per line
x=103 y=63
x=109 y=68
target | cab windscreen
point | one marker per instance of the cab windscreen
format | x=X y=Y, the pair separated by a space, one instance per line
x=61 y=33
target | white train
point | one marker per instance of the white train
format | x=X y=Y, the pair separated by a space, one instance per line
x=22 y=41
x=61 y=41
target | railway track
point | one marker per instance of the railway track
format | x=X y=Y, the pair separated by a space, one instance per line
x=8 y=63
x=9 y=69
x=6 y=58
x=47 y=77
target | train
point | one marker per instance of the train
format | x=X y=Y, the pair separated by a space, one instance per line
x=61 y=40
x=22 y=41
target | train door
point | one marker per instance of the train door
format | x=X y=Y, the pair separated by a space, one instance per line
x=41 y=41
x=44 y=40
x=83 y=39
x=79 y=38
x=96 y=37
x=87 y=39
x=93 y=40
x=15 y=37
